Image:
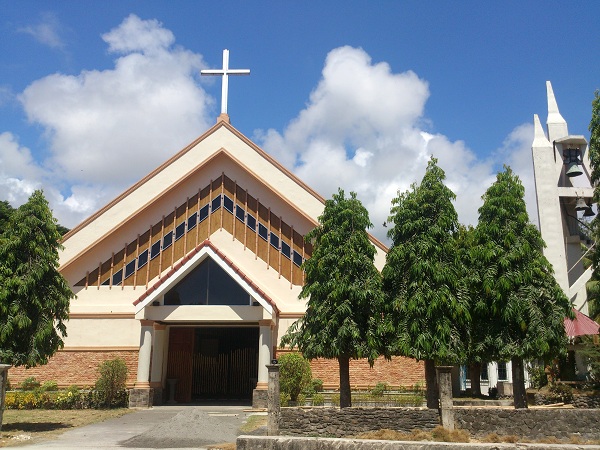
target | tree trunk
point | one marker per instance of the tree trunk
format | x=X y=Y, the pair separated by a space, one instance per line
x=518 y=375
x=474 y=375
x=432 y=385
x=345 y=395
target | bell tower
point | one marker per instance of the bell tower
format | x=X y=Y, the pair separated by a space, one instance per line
x=564 y=198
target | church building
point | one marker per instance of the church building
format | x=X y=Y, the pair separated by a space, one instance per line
x=192 y=276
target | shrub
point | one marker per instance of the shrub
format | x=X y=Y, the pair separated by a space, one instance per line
x=379 y=389
x=318 y=400
x=294 y=374
x=49 y=386
x=317 y=384
x=284 y=399
x=493 y=392
x=29 y=384
x=71 y=398
x=109 y=391
x=537 y=376
x=559 y=392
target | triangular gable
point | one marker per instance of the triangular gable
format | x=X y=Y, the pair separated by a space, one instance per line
x=189 y=263
x=222 y=147
x=582 y=325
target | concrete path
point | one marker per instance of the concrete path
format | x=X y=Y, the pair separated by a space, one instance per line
x=162 y=427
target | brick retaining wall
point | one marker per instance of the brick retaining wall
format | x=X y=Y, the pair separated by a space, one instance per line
x=526 y=423
x=76 y=367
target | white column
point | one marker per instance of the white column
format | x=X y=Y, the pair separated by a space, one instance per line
x=158 y=352
x=264 y=353
x=143 y=372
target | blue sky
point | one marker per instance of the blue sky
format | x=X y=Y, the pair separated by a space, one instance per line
x=351 y=94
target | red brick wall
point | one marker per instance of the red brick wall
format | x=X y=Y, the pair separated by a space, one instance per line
x=79 y=367
x=398 y=372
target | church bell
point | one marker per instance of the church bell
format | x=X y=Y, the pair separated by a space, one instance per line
x=572 y=159
x=581 y=205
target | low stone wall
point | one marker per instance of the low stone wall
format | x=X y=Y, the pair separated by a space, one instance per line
x=530 y=423
x=578 y=400
x=304 y=443
x=526 y=423
x=340 y=422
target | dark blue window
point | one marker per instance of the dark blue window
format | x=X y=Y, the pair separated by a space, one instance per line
x=130 y=268
x=106 y=282
x=251 y=222
x=180 y=230
x=228 y=204
x=142 y=259
x=117 y=278
x=216 y=203
x=203 y=213
x=297 y=258
x=285 y=249
x=192 y=220
x=263 y=232
x=274 y=240
x=167 y=240
x=239 y=213
x=155 y=250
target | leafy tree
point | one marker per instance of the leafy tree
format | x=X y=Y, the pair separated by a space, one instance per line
x=594 y=154
x=111 y=385
x=5 y=212
x=428 y=309
x=34 y=297
x=343 y=288
x=521 y=305
x=294 y=374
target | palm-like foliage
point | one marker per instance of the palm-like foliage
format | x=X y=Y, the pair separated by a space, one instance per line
x=427 y=308
x=520 y=309
x=343 y=288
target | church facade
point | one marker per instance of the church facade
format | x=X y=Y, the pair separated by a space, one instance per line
x=192 y=276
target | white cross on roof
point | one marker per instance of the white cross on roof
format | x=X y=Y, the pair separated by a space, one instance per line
x=225 y=72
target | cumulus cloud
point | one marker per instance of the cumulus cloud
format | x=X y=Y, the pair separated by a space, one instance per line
x=363 y=129
x=107 y=129
x=46 y=32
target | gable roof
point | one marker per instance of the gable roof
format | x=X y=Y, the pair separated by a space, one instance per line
x=220 y=143
x=582 y=325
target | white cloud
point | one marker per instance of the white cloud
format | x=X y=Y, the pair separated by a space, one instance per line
x=107 y=129
x=46 y=32
x=363 y=130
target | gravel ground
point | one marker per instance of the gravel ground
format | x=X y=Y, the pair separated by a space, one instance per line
x=193 y=427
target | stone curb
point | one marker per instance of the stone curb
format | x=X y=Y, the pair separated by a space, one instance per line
x=306 y=443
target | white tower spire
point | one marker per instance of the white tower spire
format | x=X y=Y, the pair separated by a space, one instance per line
x=557 y=126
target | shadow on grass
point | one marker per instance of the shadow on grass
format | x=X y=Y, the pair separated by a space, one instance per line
x=36 y=427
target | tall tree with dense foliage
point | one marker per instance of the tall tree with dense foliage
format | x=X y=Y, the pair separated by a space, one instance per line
x=343 y=288
x=521 y=305
x=594 y=154
x=427 y=313
x=34 y=296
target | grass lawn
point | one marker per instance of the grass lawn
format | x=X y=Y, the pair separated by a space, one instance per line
x=31 y=426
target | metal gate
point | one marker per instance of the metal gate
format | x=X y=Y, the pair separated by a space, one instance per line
x=213 y=362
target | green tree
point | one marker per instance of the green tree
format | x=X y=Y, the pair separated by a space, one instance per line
x=521 y=306
x=343 y=288
x=111 y=385
x=6 y=211
x=294 y=374
x=34 y=297
x=427 y=306
x=594 y=154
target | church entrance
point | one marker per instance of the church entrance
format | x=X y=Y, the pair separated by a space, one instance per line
x=213 y=363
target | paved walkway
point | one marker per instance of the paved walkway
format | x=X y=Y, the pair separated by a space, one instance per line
x=165 y=427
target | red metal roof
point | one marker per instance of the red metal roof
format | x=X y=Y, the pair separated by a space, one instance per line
x=581 y=326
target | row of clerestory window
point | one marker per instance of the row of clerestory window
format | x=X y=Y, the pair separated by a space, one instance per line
x=192 y=221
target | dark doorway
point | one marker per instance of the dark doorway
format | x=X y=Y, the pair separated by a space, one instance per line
x=213 y=363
